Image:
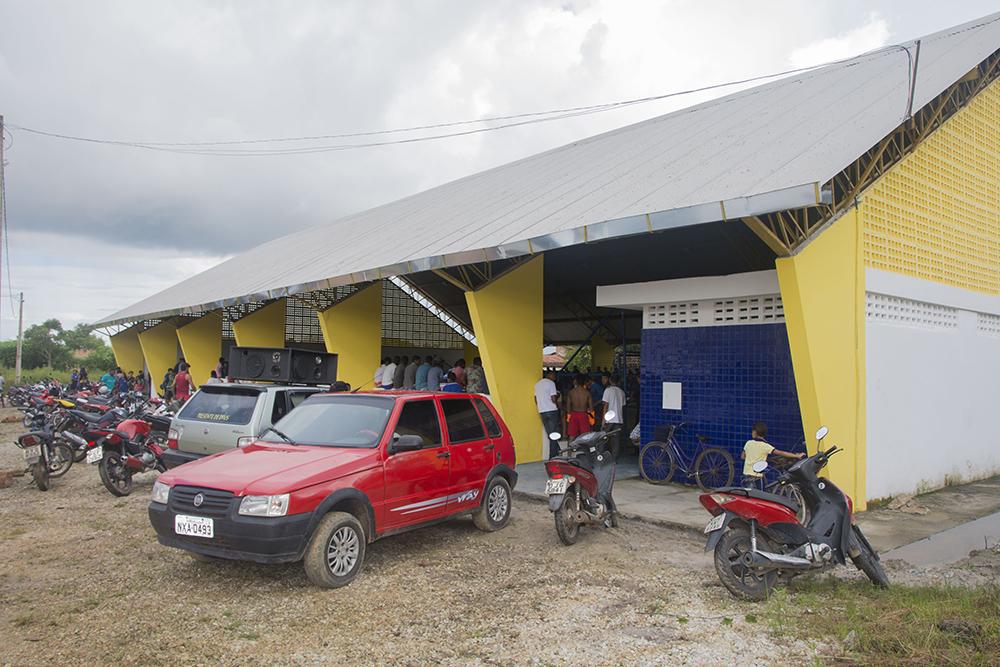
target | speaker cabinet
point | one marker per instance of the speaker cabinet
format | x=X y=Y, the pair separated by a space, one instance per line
x=282 y=364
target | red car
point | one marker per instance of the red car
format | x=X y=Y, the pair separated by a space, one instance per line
x=338 y=472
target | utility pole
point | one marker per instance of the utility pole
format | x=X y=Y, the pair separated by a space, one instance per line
x=20 y=341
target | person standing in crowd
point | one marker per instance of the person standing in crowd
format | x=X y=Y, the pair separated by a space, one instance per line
x=596 y=388
x=434 y=375
x=580 y=404
x=451 y=385
x=459 y=371
x=221 y=369
x=3 y=391
x=121 y=382
x=389 y=372
x=182 y=383
x=74 y=380
x=380 y=371
x=83 y=376
x=422 y=372
x=613 y=400
x=410 y=374
x=213 y=378
x=108 y=380
x=547 y=402
x=168 y=385
x=475 y=378
x=399 y=375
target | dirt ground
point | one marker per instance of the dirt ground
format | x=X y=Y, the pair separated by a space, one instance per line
x=85 y=582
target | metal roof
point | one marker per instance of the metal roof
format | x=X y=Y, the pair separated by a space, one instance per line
x=756 y=151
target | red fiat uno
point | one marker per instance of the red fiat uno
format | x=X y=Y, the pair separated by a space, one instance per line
x=338 y=472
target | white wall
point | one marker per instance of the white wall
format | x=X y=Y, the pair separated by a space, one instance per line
x=933 y=385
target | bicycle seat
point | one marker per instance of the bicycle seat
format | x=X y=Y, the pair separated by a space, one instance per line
x=761 y=495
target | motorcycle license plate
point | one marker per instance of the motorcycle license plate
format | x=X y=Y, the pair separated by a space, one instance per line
x=194 y=526
x=715 y=523
x=33 y=453
x=556 y=486
x=95 y=455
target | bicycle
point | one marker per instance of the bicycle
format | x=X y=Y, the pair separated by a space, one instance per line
x=712 y=468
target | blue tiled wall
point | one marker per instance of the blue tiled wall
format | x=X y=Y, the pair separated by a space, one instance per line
x=731 y=376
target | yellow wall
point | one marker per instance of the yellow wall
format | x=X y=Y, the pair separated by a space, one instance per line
x=128 y=352
x=264 y=327
x=201 y=344
x=470 y=351
x=936 y=214
x=352 y=329
x=602 y=353
x=159 y=349
x=823 y=293
x=507 y=320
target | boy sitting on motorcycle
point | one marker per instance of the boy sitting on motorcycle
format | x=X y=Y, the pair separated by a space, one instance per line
x=757 y=448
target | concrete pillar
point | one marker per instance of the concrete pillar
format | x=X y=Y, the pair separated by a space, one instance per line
x=469 y=352
x=264 y=327
x=128 y=352
x=159 y=349
x=507 y=320
x=352 y=329
x=823 y=294
x=201 y=345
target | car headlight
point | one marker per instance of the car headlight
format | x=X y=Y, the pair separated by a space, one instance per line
x=264 y=505
x=161 y=492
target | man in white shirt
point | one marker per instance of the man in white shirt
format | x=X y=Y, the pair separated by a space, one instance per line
x=388 y=373
x=379 y=372
x=546 y=399
x=614 y=401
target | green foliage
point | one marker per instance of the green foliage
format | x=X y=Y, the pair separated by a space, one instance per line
x=49 y=346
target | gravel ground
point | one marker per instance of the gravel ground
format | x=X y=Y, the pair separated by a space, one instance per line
x=85 y=582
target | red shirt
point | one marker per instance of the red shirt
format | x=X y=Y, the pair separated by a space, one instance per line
x=182 y=386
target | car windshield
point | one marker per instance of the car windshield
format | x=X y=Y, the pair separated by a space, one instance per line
x=334 y=421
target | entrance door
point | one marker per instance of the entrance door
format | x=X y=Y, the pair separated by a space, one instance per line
x=416 y=482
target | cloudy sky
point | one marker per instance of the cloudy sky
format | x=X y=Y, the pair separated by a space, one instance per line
x=96 y=227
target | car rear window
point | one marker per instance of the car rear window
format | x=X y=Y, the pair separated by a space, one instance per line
x=492 y=427
x=220 y=407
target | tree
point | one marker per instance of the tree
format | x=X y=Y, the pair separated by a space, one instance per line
x=81 y=338
x=43 y=346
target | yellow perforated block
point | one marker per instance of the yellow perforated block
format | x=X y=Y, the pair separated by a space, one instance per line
x=936 y=214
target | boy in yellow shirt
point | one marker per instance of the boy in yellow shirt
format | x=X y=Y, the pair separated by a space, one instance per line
x=758 y=449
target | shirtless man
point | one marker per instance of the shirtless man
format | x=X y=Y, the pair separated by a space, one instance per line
x=580 y=403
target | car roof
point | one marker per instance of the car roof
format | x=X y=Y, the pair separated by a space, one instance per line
x=220 y=386
x=406 y=393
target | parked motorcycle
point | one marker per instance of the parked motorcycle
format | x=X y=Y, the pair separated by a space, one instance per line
x=127 y=450
x=45 y=458
x=758 y=538
x=580 y=484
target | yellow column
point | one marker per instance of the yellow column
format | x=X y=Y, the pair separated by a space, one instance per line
x=352 y=329
x=602 y=353
x=159 y=349
x=507 y=319
x=264 y=327
x=823 y=293
x=128 y=352
x=470 y=351
x=201 y=345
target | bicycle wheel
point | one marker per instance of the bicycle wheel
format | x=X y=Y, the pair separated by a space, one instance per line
x=713 y=469
x=656 y=463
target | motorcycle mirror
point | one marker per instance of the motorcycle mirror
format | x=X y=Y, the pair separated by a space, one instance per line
x=555 y=435
x=609 y=415
x=759 y=466
x=821 y=433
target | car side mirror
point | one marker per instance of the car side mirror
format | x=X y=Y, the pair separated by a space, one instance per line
x=759 y=466
x=405 y=443
x=821 y=433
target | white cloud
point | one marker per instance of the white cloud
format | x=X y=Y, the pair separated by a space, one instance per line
x=872 y=34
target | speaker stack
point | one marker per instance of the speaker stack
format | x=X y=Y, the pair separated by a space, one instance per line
x=282 y=364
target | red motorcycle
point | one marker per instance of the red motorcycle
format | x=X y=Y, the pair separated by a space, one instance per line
x=129 y=449
x=580 y=484
x=757 y=537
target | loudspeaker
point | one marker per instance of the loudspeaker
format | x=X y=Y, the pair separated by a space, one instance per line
x=282 y=364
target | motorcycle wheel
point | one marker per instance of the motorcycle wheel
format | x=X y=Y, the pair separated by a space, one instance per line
x=41 y=476
x=656 y=463
x=27 y=421
x=734 y=575
x=116 y=477
x=567 y=528
x=60 y=459
x=868 y=562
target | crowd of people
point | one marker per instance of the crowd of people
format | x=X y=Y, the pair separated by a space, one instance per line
x=431 y=373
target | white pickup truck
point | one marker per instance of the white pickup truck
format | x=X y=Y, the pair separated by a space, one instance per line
x=219 y=417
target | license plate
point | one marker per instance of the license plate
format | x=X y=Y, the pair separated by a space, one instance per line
x=715 y=523
x=556 y=486
x=95 y=455
x=33 y=453
x=195 y=526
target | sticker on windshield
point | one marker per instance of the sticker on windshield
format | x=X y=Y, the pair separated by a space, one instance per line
x=213 y=417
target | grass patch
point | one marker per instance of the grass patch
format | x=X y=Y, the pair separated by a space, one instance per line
x=897 y=626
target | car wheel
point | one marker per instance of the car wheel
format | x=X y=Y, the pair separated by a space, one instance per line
x=336 y=551
x=494 y=512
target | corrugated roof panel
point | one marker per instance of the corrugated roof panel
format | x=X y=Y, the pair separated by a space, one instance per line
x=759 y=150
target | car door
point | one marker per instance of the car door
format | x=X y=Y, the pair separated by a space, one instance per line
x=416 y=482
x=471 y=453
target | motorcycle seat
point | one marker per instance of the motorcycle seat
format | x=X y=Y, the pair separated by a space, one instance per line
x=761 y=495
x=89 y=417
